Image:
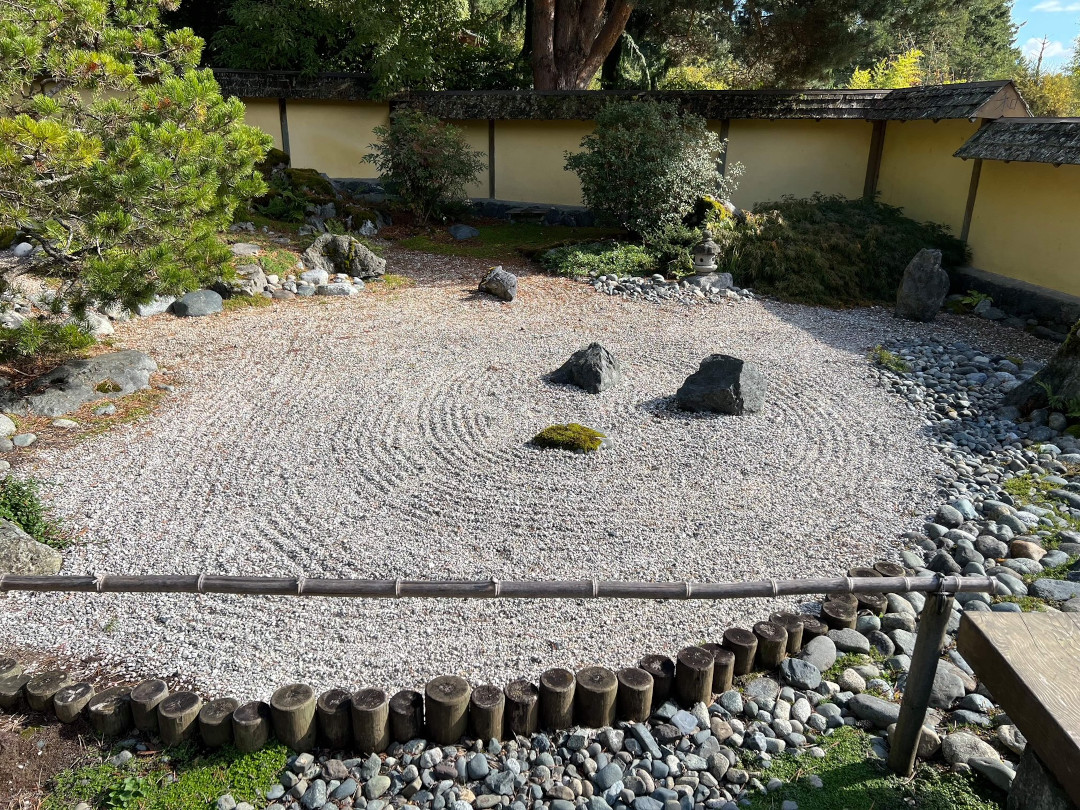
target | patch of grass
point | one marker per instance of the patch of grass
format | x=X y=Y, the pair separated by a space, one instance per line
x=845 y=661
x=20 y=502
x=1054 y=571
x=245 y=302
x=393 y=281
x=1028 y=604
x=128 y=409
x=278 y=263
x=600 y=258
x=574 y=437
x=180 y=779
x=505 y=241
x=853 y=781
x=883 y=357
x=830 y=251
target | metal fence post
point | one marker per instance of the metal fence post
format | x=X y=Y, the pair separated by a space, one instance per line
x=920 y=681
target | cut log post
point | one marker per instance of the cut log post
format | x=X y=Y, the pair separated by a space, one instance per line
x=144 y=702
x=839 y=615
x=888 y=568
x=933 y=623
x=215 y=722
x=794 y=626
x=522 y=708
x=371 y=720
x=743 y=644
x=693 y=676
x=812 y=628
x=557 y=699
x=178 y=717
x=772 y=645
x=292 y=708
x=40 y=689
x=13 y=692
x=334 y=719
x=9 y=667
x=662 y=670
x=406 y=716
x=860 y=571
x=876 y=603
x=69 y=702
x=251 y=726
x=723 y=669
x=109 y=712
x=633 y=702
x=594 y=697
x=486 y=707
x=446 y=708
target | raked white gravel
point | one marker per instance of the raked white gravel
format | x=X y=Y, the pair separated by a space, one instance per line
x=385 y=436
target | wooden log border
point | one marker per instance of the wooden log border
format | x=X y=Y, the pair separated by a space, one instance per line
x=294 y=715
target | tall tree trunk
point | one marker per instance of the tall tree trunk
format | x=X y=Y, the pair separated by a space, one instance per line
x=609 y=73
x=572 y=38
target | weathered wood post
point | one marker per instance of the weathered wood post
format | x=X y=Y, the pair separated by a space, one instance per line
x=292 y=708
x=556 y=699
x=633 y=702
x=406 y=716
x=41 y=688
x=144 y=702
x=13 y=691
x=371 y=720
x=933 y=621
x=594 y=697
x=486 y=707
x=334 y=718
x=178 y=716
x=888 y=568
x=215 y=722
x=69 y=702
x=840 y=611
x=446 y=708
x=522 y=707
x=794 y=626
x=772 y=644
x=694 y=676
x=812 y=628
x=662 y=670
x=251 y=726
x=10 y=667
x=109 y=711
x=743 y=644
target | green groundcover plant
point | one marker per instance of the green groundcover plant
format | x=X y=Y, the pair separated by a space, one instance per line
x=118 y=157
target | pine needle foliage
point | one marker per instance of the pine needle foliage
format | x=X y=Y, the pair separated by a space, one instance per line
x=117 y=155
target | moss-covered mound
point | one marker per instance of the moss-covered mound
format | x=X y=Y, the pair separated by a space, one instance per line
x=574 y=437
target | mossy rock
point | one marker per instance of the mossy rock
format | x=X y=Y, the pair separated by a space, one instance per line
x=7 y=236
x=275 y=157
x=312 y=182
x=573 y=437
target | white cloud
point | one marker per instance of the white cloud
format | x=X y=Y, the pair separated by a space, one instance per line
x=1056 y=5
x=1054 y=50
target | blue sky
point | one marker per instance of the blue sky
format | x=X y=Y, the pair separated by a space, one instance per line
x=1058 y=20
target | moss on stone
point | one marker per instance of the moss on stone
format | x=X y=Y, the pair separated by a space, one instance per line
x=574 y=437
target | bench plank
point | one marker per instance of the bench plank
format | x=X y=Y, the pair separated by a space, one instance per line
x=1030 y=663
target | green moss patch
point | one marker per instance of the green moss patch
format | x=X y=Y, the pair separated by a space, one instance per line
x=505 y=241
x=245 y=302
x=573 y=437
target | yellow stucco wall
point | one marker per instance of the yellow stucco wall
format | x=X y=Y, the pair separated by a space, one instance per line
x=476 y=135
x=263 y=113
x=1024 y=224
x=529 y=160
x=798 y=158
x=333 y=137
x=920 y=174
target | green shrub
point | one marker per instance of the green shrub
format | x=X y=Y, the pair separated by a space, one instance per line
x=20 y=502
x=598 y=259
x=830 y=251
x=35 y=337
x=425 y=161
x=646 y=163
x=574 y=437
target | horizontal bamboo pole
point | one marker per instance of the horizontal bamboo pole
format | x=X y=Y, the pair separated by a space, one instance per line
x=489 y=589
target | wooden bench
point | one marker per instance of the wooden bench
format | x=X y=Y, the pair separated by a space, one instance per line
x=1030 y=662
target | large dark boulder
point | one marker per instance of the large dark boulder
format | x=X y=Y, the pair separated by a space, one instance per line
x=923 y=288
x=343 y=254
x=723 y=384
x=593 y=368
x=69 y=386
x=500 y=283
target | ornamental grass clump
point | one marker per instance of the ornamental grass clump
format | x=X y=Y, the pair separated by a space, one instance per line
x=573 y=437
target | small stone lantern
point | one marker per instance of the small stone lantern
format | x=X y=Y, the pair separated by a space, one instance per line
x=705 y=254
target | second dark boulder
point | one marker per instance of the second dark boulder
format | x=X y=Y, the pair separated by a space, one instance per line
x=593 y=369
x=723 y=384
